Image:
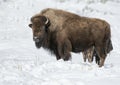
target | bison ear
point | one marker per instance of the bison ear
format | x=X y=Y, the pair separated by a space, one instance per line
x=30 y=25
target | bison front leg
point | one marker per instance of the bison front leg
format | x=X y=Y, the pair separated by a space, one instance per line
x=64 y=49
x=57 y=55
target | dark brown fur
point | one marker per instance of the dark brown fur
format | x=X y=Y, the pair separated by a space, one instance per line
x=67 y=32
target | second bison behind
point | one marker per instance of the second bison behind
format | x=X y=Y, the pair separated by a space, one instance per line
x=63 y=32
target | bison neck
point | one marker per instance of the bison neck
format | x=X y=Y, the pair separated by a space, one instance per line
x=50 y=42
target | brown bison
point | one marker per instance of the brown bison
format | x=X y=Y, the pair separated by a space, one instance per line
x=63 y=32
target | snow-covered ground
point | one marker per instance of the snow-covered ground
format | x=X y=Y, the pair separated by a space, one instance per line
x=22 y=64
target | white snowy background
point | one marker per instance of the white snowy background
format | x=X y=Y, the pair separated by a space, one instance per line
x=22 y=64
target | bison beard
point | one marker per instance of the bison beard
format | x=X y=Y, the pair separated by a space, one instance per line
x=63 y=32
x=38 y=44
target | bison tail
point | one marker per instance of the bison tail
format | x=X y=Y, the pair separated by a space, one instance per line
x=108 y=46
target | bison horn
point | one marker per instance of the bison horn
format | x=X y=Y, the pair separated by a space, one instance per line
x=47 y=21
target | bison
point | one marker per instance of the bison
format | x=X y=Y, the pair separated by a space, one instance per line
x=62 y=32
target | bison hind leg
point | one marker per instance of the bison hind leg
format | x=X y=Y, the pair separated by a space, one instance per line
x=84 y=56
x=88 y=54
x=90 y=57
x=101 y=53
x=97 y=59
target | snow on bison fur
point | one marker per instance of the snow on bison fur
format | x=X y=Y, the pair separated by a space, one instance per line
x=63 y=32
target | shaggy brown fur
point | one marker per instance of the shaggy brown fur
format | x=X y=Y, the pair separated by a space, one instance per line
x=90 y=53
x=62 y=32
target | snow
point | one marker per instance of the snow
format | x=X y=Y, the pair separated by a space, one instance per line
x=22 y=64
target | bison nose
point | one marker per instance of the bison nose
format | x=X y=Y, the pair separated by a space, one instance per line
x=36 y=39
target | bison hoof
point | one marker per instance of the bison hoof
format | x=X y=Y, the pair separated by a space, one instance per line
x=58 y=58
x=66 y=58
x=101 y=65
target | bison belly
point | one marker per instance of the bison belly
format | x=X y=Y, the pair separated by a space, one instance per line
x=81 y=45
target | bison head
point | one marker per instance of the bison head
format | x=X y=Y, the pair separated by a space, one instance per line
x=39 y=27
